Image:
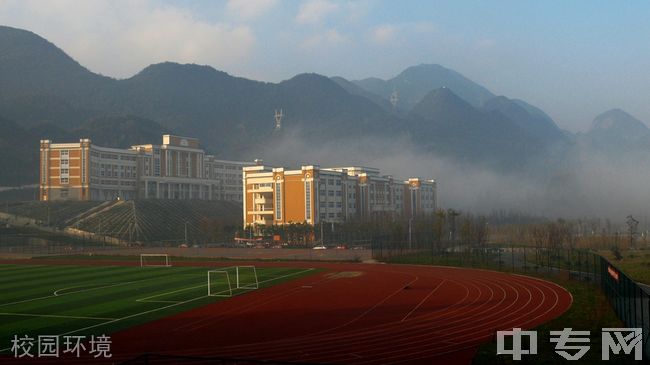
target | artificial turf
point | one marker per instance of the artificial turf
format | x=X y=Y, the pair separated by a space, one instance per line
x=94 y=300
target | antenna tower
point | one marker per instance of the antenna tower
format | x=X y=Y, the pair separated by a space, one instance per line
x=278 y=119
x=394 y=98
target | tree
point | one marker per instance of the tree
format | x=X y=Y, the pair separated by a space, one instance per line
x=632 y=229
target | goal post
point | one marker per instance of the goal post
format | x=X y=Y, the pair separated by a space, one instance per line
x=223 y=282
x=155 y=260
x=246 y=277
x=219 y=284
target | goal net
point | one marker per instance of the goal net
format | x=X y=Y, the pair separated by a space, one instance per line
x=219 y=284
x=246 y=277
x=223 y=282
x=155 y=259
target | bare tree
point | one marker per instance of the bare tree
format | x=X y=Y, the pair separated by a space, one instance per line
x=632 y=229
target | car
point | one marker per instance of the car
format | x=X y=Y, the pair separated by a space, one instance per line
x=320 y=247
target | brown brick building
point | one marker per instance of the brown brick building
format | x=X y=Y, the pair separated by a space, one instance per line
x=313 y=194
x=176 y=169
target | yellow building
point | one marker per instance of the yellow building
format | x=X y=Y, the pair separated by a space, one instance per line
x=176 y=169
x=313 y=194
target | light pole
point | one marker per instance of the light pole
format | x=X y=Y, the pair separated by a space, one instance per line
x=186 y=232
x=410 y=232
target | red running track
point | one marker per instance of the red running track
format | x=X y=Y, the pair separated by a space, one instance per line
x=357 y=314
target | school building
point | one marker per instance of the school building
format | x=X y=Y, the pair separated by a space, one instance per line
x=278 y=196
x=176 y=169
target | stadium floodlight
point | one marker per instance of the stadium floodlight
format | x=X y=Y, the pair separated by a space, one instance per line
x=219 y=284
x=246 y=277
x=155 y=260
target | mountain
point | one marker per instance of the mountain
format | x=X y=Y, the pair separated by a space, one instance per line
x=534 y=122
x=354 y=89
x=415 y=82
x=617 y=135
x=618 y=123
x=449 y=125
x=20 y=151
x=41 y=84
x=119 y=131
x=38 y=78
x=47 y=94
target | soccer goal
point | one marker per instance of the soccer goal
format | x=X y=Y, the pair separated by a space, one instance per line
x=219 y=284
x=246 y=277
x=155 y=259
x=222 y=282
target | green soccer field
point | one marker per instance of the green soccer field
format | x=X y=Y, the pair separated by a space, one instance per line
x=84 y=300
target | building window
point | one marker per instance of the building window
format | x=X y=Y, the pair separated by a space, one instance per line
x=330 y=192
x=278 y=201
x=64 y=180
x=338 y=182
x=83 y=166
x=307 y=201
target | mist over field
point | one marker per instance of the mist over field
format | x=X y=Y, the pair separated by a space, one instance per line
x=594 y=186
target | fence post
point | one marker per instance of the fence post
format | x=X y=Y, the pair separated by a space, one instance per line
x=525 y=262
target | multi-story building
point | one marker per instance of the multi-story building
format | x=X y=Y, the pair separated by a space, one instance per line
x=176 y=169
x=277 y=196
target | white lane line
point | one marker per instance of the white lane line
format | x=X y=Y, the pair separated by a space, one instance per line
x=163 y=307
x=56 y=294
x=171 y=305
x=423 y=300
x=76 y=291
x=54 y=316
x=145 y=300
x=108 y=285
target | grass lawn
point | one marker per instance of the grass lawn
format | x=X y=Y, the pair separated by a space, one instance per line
x=94 y=300
x=635 y=263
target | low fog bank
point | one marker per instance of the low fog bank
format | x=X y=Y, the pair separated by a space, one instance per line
x=589 y=187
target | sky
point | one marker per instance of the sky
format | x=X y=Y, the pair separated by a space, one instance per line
x=574 y=59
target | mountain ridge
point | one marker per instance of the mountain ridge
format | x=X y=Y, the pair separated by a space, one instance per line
x=46 y=91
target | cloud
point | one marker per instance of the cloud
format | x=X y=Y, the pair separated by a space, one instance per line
x=119 y=38
x=170 y=34
x=485 y=43
x=314 y=11
x=328 y=38
x=249 y=9
x=389 y=33
x=384 y=33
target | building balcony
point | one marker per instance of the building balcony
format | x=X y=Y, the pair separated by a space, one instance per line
x=261 y=212
x=262 y=200
x=268 y=189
